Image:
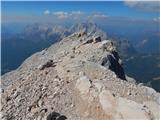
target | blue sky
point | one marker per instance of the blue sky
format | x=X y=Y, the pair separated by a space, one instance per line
x=117 y=15
x=76 y=11
x=118 y=8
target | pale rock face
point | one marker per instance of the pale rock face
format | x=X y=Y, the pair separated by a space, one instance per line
x=150 y=91
x=83 y=84
x=122 y=108
x=99 y=86
x=72 y=83
x=108 y=102
x=107 y=45
x=81 y=73
x=129 y=79
x=130 y=110
x=154 y=108
x=158 y=98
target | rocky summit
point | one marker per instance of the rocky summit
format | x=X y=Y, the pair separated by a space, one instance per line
x=79 y=78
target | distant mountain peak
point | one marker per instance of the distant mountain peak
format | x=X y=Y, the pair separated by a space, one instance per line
x=90 y=27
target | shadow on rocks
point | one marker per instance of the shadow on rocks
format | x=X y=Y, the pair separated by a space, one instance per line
x=56 y=116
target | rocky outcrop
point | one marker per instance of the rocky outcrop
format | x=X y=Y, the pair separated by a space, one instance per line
x=46 y=65
x=76 y=81
x=38 y=36
x=89 y=27
x=112 y=61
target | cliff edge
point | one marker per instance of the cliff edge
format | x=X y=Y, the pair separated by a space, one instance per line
x=78 y=78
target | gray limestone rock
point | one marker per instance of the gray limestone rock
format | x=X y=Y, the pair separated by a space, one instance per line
x=76 y=81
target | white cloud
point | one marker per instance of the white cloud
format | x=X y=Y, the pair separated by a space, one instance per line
x=150 y=6
x=61 y=14
x=156 y=19
x=77 y=13
x=99 y=16
x=46 y=12
x=65 y=15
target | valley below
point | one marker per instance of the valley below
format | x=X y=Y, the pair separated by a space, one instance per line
x=144 y=68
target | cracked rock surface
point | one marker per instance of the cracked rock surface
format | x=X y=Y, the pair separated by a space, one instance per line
x=75 y=81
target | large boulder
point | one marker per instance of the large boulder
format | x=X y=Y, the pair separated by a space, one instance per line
x=111 y=61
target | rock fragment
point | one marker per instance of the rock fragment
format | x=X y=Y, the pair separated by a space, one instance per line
x=97 y=39
x=56 y=116
x=49 y=63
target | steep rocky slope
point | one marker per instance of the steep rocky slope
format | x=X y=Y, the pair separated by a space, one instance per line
x=35 y=37
x=78 y=78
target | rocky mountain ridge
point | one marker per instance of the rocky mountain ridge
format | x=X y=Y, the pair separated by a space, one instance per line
x=36 y=37
x=78 y=78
